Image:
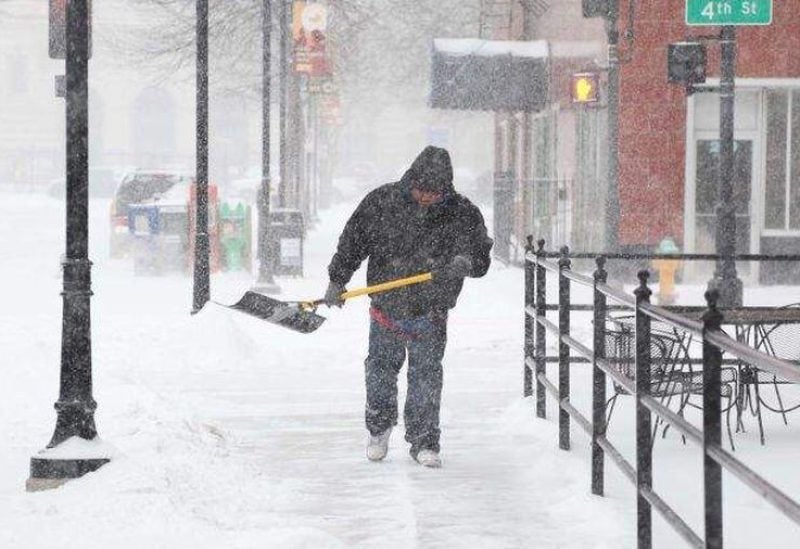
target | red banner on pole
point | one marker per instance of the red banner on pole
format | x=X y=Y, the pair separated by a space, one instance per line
x=310 y=22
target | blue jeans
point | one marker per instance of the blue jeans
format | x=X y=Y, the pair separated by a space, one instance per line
x=387 y=352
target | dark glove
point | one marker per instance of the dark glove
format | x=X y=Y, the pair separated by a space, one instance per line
x=459 y=267
x=333 y=295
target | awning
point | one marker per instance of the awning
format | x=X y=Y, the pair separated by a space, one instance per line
x=489 y=75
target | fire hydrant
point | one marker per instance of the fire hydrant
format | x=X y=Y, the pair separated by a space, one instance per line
x=666 y=272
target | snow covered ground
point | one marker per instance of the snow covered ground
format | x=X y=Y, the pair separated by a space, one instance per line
x=229 y=432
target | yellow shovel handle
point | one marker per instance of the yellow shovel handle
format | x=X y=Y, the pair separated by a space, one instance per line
x=386 y=286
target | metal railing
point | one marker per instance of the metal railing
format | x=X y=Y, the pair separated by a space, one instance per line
x=714 y=341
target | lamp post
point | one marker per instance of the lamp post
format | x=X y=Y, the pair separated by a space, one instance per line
x=266 y=282
x=284 y=26
x=612 y=196
x=75 y=406
x=202 y=277
x=725 y=278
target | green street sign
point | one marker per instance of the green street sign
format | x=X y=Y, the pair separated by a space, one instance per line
x=728 y=12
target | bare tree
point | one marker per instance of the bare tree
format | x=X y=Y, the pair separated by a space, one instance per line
x=374 y=43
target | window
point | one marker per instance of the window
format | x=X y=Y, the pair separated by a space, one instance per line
x=543 y=169
x=782 y=188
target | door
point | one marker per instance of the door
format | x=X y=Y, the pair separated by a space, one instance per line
x=707 y=161
x=701 y=177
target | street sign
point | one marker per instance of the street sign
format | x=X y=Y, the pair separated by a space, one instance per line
x=728 y=12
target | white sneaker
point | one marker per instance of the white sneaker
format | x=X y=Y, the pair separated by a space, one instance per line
x=378 y=445
x=429 y=458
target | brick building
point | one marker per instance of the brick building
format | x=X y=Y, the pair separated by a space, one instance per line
x=668 y=141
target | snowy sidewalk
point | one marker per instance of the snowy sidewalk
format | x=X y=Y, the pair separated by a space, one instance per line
x=233 y=433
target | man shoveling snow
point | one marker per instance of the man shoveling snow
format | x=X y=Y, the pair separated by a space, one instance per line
x=415 y=225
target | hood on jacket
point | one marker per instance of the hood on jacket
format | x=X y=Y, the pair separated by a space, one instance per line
x=431 y=171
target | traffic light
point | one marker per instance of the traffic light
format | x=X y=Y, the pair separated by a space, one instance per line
x=686 y=63
x=585 y=87
x=58 y=29
x=596 y=8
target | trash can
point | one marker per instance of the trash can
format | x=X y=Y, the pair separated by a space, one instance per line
x=286 y=235
x=235 y=237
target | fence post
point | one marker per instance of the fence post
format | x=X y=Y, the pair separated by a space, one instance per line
x=564 y=264
x=541 y=334
x=644 y=449
x=599 y=378
x=712 y=427
x=530 y=295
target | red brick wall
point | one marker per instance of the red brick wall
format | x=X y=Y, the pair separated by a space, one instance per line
x=653 y=112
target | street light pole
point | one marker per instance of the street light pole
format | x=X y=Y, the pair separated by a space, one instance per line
x=75 y=406
x=202 y=277
x=285 y=20
x=612 y=196
x=266 y=282
x=725 y=278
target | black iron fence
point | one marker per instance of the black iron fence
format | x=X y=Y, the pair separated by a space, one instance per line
x=714 y=341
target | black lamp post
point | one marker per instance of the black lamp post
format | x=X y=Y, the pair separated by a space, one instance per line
x=285 y=39
x=202 y=278
x=266 y=283
x=75 y=406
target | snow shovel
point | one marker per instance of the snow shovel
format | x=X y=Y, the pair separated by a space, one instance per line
x=301 y=316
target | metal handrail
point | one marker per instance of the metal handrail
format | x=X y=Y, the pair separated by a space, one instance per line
x=680 y=257
x=715 y=342
x=777 y=366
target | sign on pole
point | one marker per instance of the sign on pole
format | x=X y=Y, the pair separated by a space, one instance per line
x=310 y=22
x=728 y=12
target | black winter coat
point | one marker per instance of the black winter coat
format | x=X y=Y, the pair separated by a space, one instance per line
x=401 y=238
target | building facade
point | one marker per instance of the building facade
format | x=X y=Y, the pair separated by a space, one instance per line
x=669 y=142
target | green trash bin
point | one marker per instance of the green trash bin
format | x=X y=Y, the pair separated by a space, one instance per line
x=236 y=236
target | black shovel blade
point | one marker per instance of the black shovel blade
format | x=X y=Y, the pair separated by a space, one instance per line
x=288 y=315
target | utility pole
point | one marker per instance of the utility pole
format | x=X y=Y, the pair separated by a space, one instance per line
x=266 y=282
x=75 y=406
x=609 y=11
x=725 y=278
x=285 y=21
x=202 y=275
x=612 y=196
x=528 y=15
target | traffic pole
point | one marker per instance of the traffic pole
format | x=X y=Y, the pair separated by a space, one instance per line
x=612 y=213
x=725 y=278
x=202 y=275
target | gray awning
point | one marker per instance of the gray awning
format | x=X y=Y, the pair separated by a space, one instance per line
x=489 y=75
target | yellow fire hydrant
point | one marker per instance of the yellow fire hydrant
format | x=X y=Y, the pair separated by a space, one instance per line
x=666 y=272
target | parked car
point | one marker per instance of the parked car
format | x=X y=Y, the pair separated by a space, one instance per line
x=136 y=188
x=159 y=231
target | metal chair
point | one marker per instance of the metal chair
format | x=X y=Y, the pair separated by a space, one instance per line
x=781 y=340
x=668 y=378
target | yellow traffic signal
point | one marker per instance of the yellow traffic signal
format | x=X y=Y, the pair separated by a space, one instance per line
x=584 y=87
